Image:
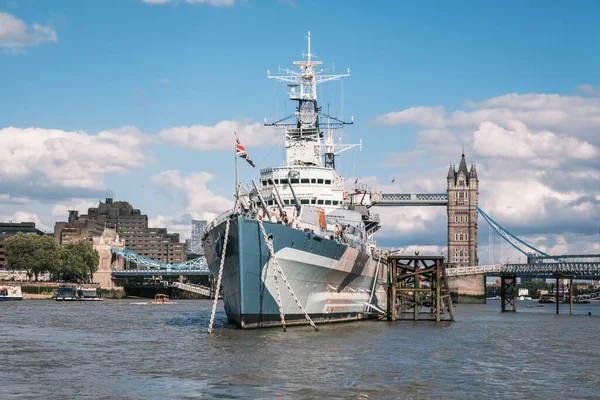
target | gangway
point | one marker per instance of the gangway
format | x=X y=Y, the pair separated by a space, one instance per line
x=595 y=297
x=198 y=289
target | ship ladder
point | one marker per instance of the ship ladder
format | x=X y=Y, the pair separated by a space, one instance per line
x=214 y=307
x=279 y=270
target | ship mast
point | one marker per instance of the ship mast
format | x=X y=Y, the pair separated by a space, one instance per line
x=303 y=128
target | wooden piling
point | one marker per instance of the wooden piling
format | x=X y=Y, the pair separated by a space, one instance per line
x=416 y=283
x=557 y=297
x=571 y=296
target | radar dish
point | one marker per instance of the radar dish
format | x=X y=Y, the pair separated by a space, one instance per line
x=307 y=113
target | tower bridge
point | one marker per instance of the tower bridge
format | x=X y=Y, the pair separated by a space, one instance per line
x=461 y=202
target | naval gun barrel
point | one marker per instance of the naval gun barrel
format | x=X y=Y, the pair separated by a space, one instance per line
x=262 y=201
x=277 y=197
x=295 y=198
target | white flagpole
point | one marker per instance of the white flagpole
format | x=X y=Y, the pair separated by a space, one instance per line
x=237 y=194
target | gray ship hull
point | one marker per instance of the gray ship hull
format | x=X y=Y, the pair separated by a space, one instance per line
x=332 y=281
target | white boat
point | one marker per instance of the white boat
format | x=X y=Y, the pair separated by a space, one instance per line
x=10 y=293
x=70 y=293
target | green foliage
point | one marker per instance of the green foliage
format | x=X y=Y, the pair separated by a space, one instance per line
x=80 y=261
x=37 y=255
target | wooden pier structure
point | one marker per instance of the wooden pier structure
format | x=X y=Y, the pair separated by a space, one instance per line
x=418 y=289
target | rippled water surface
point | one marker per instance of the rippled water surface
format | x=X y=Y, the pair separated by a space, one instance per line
x=121 y=350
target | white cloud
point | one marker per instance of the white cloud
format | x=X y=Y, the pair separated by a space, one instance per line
x=590 y=89
x=216 y=3
x=565 y=114
x=15 y=35
x=61 y=210
x=24 y=216
x=8 y=199
x=422 y=116
x=192 y=191
x=36 y=161
x=221 y=135
x=542 y=149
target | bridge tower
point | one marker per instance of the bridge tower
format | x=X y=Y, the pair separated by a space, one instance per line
x=463 y=197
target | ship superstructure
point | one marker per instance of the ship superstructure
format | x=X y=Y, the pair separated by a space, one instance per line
x=322 y=236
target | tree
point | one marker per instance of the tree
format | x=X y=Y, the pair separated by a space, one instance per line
x=47 y=255
x=20 y=252
x=80 y=261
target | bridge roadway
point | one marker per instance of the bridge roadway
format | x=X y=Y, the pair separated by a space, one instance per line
x=562 y=266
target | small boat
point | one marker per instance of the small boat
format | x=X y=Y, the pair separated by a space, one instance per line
x=161 y=299
x=540 y=305
x=69 y=293
x=529 y=306
x=10 y=293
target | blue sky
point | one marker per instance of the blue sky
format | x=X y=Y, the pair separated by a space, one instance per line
x=426 y=78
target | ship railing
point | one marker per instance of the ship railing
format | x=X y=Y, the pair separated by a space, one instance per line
x=220 y=218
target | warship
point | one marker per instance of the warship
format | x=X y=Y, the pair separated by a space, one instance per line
x=297 y=247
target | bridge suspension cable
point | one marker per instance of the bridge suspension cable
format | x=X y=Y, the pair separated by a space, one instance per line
x=521 y=246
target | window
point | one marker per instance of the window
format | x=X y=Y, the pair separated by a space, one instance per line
x=286 y=201
x=265 y=183
x=313 y=180
x=304 y=201
x=270 y=202
x=295 y=180
x=283 y=181
x=319 y=201
x=304 y=180
x=320 y=181
x=276 y=181
x=328 y=181
x=327 y=202
x=313 y=201
x=335 y=202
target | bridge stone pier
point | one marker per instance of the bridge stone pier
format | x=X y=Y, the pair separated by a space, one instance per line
x=108 y=261
x=461 y=199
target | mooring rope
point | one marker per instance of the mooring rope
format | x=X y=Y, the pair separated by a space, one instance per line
x=214 y=307
x=280 y=270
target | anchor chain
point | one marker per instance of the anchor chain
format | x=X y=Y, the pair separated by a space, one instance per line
x=279 y=303
x=280 y=270
x=214 y=307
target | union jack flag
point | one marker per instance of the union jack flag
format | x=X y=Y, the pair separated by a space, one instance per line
x=240 y=151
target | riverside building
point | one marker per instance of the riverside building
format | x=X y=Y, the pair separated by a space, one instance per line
x=131 y=226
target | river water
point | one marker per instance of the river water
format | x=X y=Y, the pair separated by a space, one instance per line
x=121 y=349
